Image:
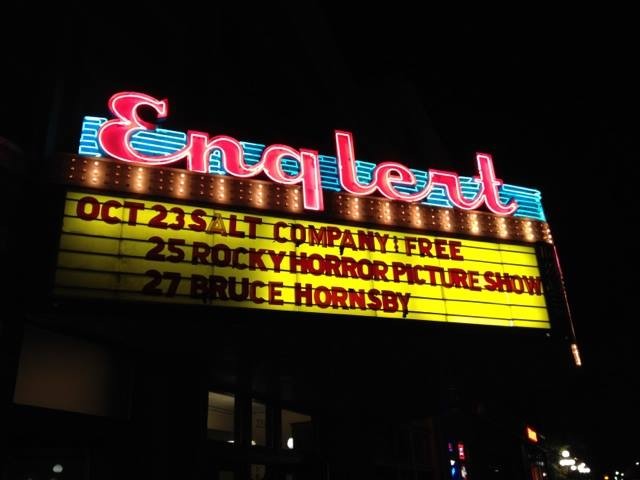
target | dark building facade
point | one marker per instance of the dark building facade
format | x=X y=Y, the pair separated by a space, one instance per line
x=101 y=385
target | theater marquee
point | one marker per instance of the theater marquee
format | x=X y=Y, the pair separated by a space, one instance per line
x=113 y=247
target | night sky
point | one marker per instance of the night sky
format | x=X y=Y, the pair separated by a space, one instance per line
x=550 y=94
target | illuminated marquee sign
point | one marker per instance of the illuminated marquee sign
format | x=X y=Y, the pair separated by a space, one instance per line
x=113 y=247
x=131 y=139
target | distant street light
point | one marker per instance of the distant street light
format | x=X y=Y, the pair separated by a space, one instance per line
x=565 y=454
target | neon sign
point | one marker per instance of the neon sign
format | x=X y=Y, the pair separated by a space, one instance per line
x=129 y=138
x=126 y=248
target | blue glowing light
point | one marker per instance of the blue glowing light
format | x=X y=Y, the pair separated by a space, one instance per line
x=163 y=142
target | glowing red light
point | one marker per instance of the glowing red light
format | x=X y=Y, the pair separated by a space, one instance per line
x=115 y=139
x=461 y=455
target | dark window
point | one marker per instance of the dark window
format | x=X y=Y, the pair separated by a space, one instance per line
x=258 y=472
x=71 y=374
x=258 y=423
x=297 y=430
x=220 y=417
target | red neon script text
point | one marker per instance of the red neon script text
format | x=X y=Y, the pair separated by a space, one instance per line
x=115 y=139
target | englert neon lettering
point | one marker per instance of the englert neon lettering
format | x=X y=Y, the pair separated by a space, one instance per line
x=114 y=138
